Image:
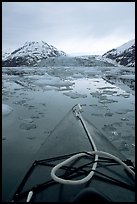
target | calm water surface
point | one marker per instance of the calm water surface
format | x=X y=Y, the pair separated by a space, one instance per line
x=40 y=99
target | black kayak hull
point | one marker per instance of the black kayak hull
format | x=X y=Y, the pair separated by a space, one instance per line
x=69 y=137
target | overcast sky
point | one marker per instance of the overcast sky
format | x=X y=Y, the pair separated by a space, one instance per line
x=74 y=27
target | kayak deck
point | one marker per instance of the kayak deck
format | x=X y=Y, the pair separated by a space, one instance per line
x=110 y=182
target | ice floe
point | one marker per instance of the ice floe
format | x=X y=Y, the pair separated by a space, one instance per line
x=75 y=95
x=54 y=82
x=6 y=110
x=27 y=126
x=107 y=101
x=109 y=114
x=128 y=77
x=123 y=111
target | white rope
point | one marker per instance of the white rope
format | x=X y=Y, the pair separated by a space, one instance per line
x=63 y=181
x=95 y=152
x=90 y=175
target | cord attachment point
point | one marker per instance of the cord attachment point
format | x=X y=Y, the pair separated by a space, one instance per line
x=77 y=110
x=30 y=194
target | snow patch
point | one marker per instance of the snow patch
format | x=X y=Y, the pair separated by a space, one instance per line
x=125 y=46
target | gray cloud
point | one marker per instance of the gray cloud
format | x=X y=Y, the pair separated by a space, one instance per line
x=60 y=23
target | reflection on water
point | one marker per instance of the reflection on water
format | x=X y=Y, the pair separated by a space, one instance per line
x=40 y=101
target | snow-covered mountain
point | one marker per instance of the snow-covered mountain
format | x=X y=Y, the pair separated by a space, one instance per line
x=42 y=54
x=30 y=54
x=124 y=55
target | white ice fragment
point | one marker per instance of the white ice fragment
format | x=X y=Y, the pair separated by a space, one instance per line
x=53 y=82
x=77 y=75
x=75 y=95
x=124 y=119
x=115 y=133
x=6 y=110
x=128 y=77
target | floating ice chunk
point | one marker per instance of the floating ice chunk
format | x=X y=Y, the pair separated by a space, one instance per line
x=78 y=75
x=123 y=111
x=103 y=97
x=49 y=88
x=67 y=88
x=124 y=119
x=66 y=83
x=128 y=77
x=75 y=95
x=125 y=95
x=107 y=101
x=115 y=133
x=108 y=114
x=27 y=126
x=53 y=82
x=107 y=87
x=36 y=77
x=109 y=92
x=95 y=94
x=6 y=110
x=27 y=120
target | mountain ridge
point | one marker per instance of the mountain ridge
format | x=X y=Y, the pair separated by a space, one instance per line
x=124 y=54
x=42 y=54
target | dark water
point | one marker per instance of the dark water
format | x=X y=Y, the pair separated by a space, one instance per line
x=40 y=97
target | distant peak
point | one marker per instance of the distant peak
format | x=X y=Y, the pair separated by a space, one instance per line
x=31 y=53
x=124 y=54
